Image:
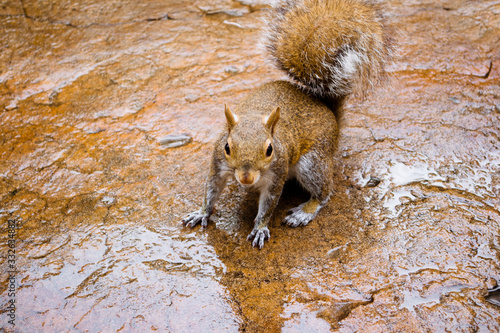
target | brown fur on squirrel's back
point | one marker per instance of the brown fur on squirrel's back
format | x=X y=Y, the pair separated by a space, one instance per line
x=330 y=47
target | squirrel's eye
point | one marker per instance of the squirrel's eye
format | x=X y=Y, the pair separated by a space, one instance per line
x=269 y=150
x=226 y=149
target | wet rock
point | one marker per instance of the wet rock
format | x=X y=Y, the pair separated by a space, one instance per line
x=231 y=69
x=372 y=182
x=341 y=310
x=94 y=130
x=231 y=12
x=192 y=98
x=255 y=4
x=494 y=296
x=175 y=140
x=92 y=93
x=107 y=200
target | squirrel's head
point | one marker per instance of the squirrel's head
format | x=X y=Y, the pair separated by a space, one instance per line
x=249 y=148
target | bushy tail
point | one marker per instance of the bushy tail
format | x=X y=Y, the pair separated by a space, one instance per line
x=331 y=47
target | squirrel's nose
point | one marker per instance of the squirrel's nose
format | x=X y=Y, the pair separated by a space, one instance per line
x=246 y=178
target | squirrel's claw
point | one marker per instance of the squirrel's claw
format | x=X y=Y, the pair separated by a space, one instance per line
x=194 y=218
x=259 y=236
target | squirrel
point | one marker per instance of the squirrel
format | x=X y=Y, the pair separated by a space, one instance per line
x=331 y=49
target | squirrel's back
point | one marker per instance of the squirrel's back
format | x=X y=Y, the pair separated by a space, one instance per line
x=331 y=47
x=295 y=106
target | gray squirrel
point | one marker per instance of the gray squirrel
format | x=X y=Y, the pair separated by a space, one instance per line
x=283 y=130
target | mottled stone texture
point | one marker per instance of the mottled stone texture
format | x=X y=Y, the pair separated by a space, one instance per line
x=89 y=91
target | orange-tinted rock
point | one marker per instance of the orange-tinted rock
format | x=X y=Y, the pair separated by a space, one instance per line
x=90 y=90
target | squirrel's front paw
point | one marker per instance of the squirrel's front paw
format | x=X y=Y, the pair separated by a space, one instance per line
x=194 y=218
x=258 y=236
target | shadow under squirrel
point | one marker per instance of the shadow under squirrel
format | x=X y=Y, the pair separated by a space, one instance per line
x=284 y=130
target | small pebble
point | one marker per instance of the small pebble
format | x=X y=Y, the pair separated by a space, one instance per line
x=191 y=98
x=108 y=200
x=175 y=140
x=95 y=130
x=374 y=181
x=231 y=70
x=494 y=296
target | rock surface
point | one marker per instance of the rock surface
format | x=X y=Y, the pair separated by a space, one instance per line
x=87 y=91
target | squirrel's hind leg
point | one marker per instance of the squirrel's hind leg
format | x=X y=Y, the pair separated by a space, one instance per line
x=304 y=213
x=315 y=175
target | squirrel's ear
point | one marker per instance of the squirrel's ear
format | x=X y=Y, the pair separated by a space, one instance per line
x=272 y=119
x=231 y=118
